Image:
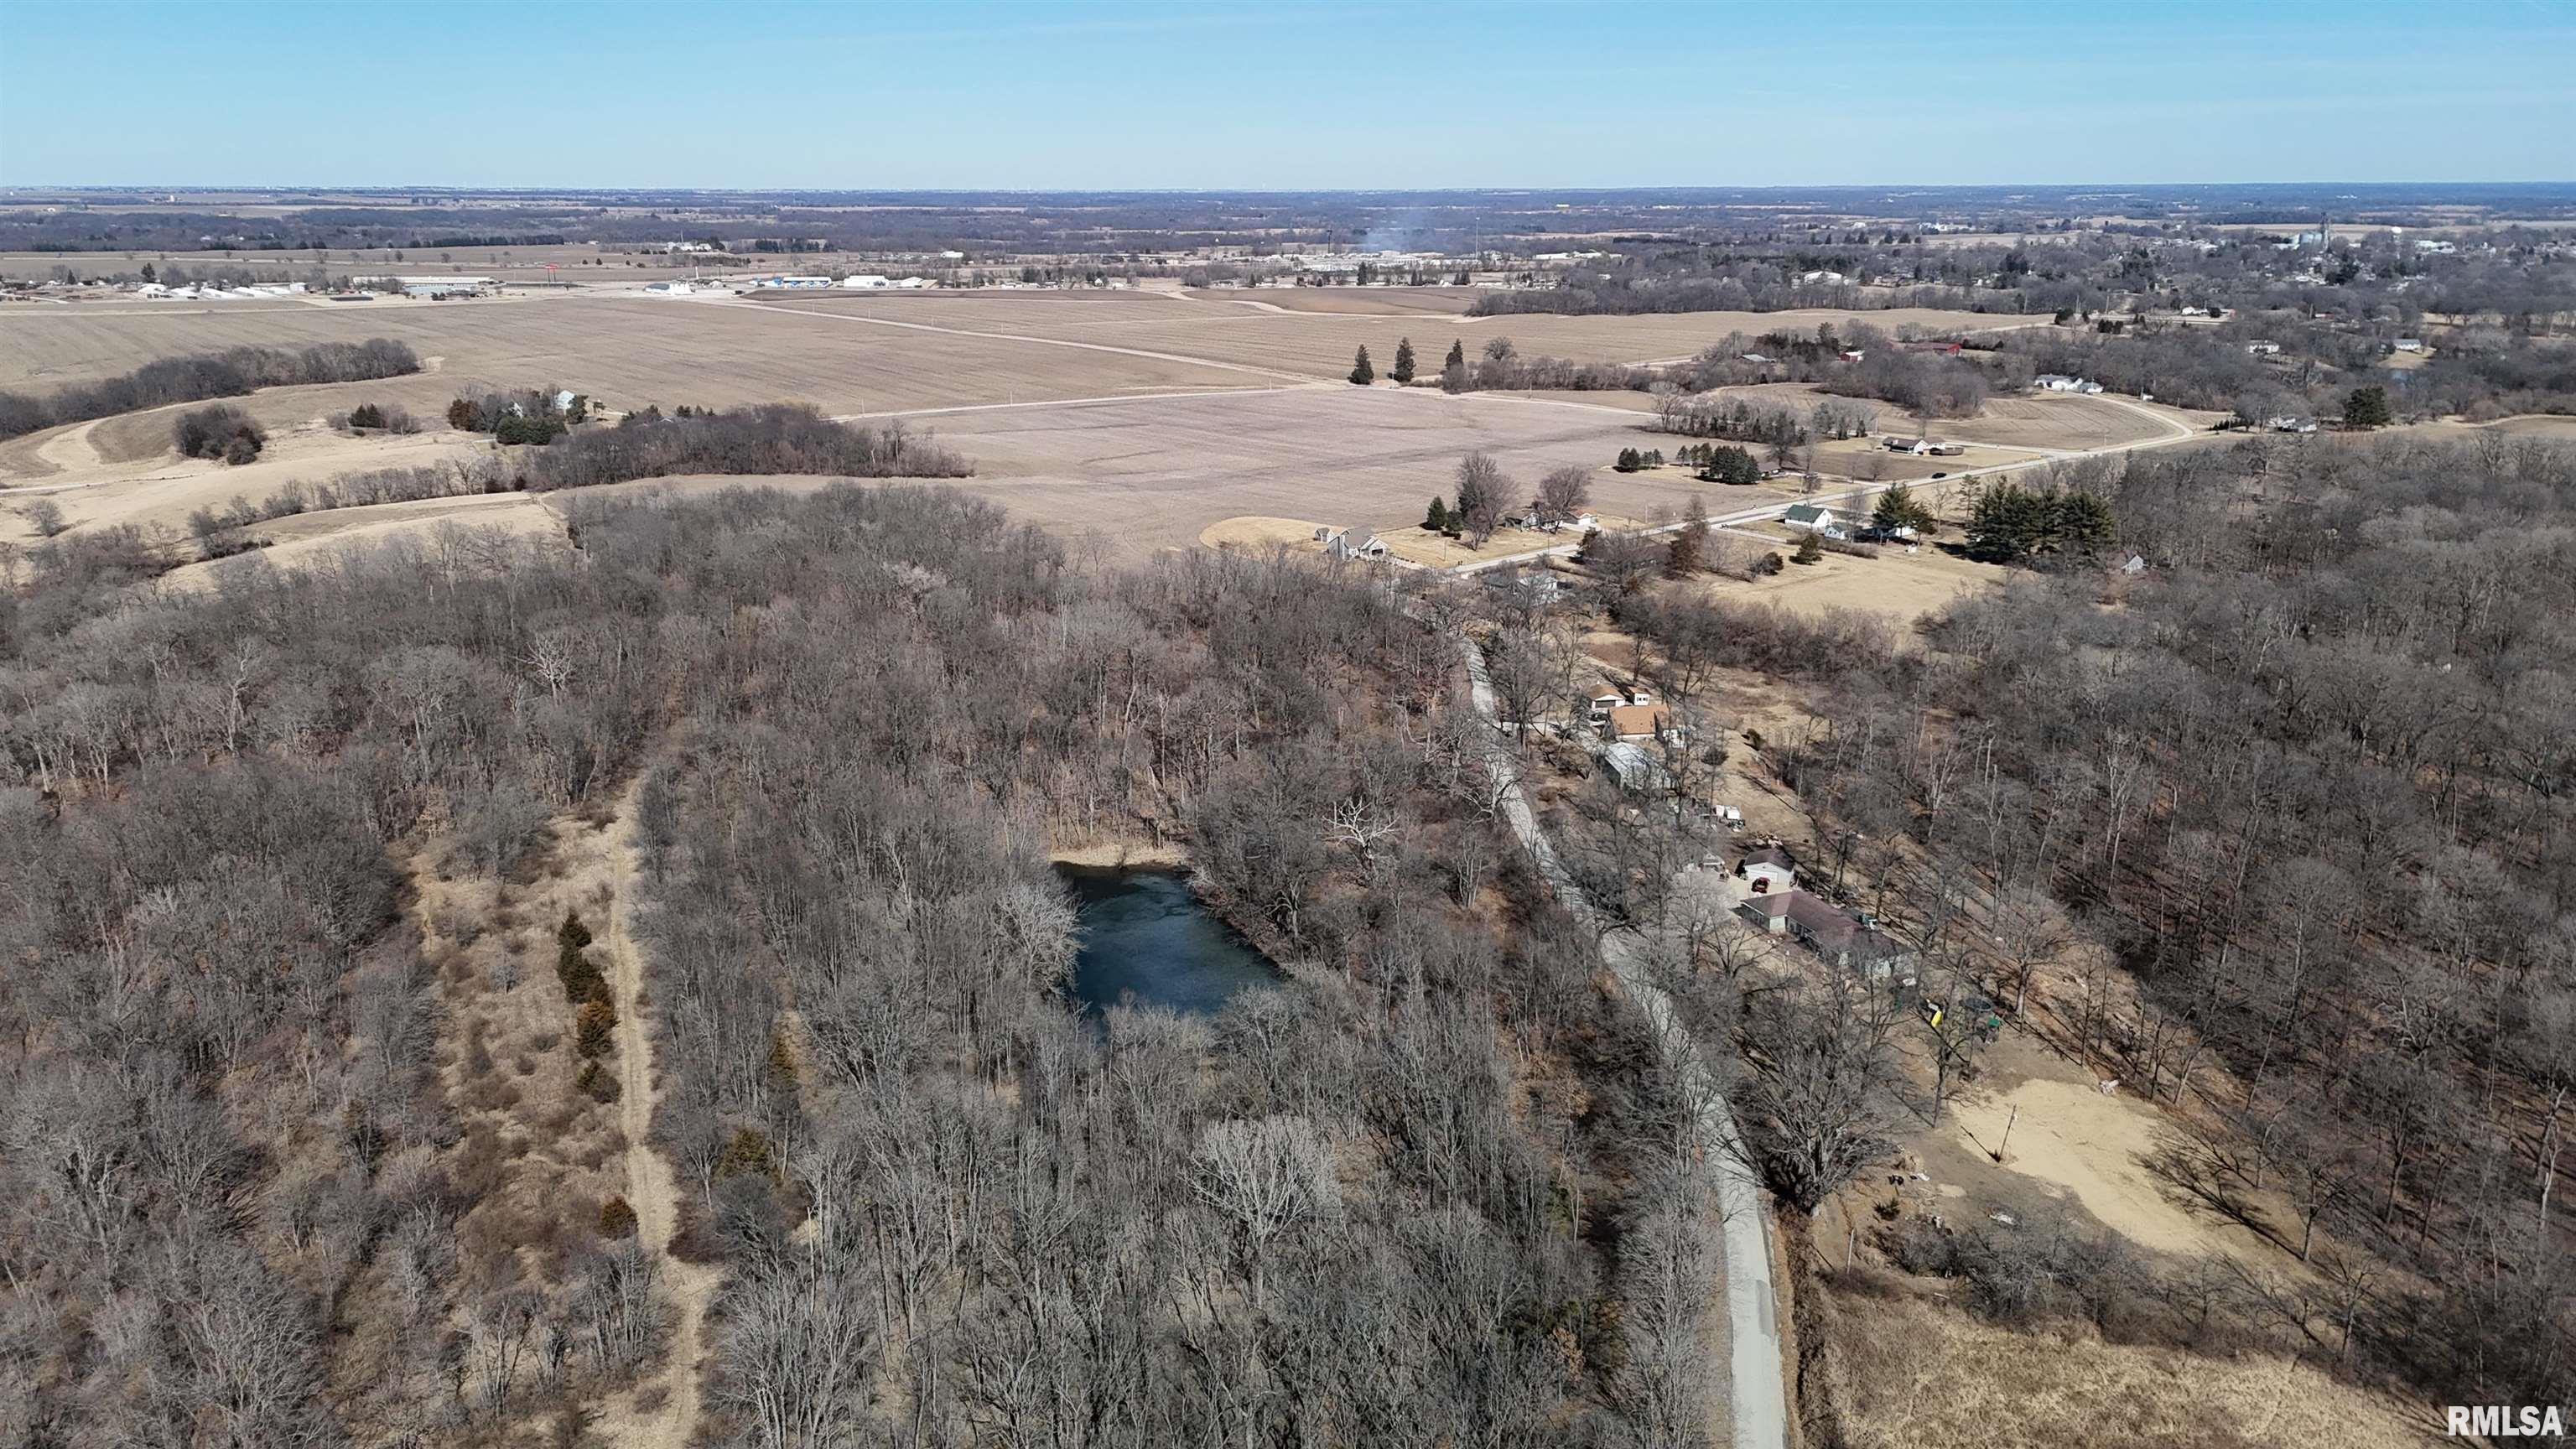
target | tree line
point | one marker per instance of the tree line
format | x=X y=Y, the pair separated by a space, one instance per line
x=231 y=373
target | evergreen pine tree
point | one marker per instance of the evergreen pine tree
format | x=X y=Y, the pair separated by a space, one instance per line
x=1453 y=373
x=1688 y=551
x=1436 y=518
x=2367 y=407
x=1361 y=373
x=1403 y=370
x=595 y=1025
x=1897 y=509
x=1810 y=548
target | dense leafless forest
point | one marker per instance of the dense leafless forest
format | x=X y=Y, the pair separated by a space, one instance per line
x=1370 y=1207
x=2306 y=785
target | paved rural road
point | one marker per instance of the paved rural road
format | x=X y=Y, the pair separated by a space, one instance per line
x=1759 y=1402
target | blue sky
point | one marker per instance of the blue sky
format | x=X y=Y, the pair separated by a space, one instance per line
x=1223 y=95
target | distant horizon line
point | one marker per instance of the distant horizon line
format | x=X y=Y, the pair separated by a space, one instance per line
x=1096 y=190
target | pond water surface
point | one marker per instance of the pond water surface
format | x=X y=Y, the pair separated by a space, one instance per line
x=1143 y=931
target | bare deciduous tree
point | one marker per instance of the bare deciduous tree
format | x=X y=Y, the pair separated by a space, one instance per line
x=1265 y=1176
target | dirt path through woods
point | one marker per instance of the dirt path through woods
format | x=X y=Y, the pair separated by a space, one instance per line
x=652 y=1188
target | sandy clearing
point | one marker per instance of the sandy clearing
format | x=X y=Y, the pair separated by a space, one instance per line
x=2091 y=1147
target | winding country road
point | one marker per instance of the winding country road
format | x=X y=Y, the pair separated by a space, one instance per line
x=1756 y=1394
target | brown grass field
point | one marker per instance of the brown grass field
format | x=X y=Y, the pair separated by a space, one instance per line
x=1904 y=587
x=1914 y=1375
x=161 y=491
x=1866 y=459
x=2053 y=422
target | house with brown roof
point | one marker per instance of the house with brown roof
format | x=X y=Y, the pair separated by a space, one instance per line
x=1636 y=722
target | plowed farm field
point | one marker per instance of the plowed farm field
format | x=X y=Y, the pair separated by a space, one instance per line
x=1321 y=344
x=1149 y=475
x=624 y=352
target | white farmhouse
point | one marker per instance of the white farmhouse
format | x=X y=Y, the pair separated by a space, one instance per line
x=1813 y=517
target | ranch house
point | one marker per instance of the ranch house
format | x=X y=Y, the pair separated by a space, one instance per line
x=1851 y=942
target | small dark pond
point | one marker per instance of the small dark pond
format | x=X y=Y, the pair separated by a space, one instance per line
x=1144 y=932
